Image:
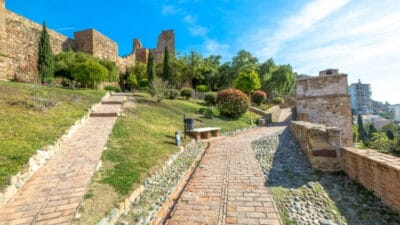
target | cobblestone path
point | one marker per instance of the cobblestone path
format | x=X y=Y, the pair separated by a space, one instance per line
x=54 y=193
x=228 y=186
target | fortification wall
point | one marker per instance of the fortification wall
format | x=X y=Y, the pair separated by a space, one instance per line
x=320 y=144
x=21 y=40
x=325 y=100
x=376 y=171
x=96 y=44
x=3 y=48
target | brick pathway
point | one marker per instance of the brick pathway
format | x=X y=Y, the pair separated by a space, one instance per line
x=228 y=186
x=54 y=193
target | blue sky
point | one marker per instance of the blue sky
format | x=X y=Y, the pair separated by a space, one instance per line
x=359 y=37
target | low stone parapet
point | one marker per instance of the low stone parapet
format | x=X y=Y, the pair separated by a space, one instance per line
x=376 y=171
x=320 y=144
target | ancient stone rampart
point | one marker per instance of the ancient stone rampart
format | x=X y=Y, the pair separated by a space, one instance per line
x=19 y=38
x=320 y=144
x=325 y=100
x=376 y=171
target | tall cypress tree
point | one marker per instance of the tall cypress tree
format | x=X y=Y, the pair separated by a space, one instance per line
x=45 y=57
x=150 y=69
x=361 y=130
x=166 y=67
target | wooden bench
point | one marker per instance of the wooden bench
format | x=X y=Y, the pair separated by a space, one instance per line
x=204 y=133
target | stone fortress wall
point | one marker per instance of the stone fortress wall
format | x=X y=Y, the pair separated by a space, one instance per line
x=325 y=100
x=19 y=39
x=327 y=141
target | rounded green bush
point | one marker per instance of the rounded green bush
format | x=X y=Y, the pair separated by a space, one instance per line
x=172 y=93
x=202 y=88
x=211 y=98
x=278 y=100
x=232 y=103
x=259 y=97
x=187 y=93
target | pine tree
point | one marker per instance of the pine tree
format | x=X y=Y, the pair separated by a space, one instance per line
x=166 y=67
x=45 y=57
x=150 y=69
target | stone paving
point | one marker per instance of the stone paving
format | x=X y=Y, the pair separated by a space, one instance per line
x=228 y=186
x=54 y=193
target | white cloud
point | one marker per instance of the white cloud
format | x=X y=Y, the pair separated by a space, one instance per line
x=363 y=44
x=295 y=25
x=169 y=10
x=213 y=47
x=197 y=30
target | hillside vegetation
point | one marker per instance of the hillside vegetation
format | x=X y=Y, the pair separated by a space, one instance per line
x=32 y=117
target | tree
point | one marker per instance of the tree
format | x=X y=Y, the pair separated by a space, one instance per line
x=210 y=71
x=150 y=69
x=282 y=81
x=45 y=57
x=166 y=75
x=244 y=58
x=132 y=81
x=371 y=130
x=247 y=81
x=90 y=73
x=361 y=130
x=226 y=76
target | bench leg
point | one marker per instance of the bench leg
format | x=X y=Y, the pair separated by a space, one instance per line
x=205 y=135
x=214 y=133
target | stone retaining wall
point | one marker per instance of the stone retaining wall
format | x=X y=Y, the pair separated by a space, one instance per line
x=321 y=145
x=376 y=171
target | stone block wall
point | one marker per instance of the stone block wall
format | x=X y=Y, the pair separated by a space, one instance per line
x=19 y=38
x=94 y=43
x=325 y=100
x=376 y=171
x=20 y=44
x=320 y=144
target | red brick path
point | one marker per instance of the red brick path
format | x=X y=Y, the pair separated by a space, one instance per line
x=54 y=193
x=228 y=186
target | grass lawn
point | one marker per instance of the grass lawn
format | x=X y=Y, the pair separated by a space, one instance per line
x=33 y=116
x=140 y=142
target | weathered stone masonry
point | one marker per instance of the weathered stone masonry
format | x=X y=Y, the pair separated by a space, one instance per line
x=376 y=171
x=325 y=100
x=19 y=41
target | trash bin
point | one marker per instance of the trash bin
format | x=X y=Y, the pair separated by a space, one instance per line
x=189 y=122
x=268 y=119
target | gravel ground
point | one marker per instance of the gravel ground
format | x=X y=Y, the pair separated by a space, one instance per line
x=158 y=189
x=306 y=196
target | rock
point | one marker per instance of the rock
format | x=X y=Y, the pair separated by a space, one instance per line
x=326 y=222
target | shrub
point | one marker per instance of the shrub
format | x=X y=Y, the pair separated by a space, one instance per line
x=70 y=84
x=202 y=88
x=143 y=84
x=259 y=97
x=112 y=88
x=208 y=112
x=90 y=73
x=232 y=103
x=171 y=93
x=187 y=93
x=211 y=98
x=132 y=81
x=278 y=100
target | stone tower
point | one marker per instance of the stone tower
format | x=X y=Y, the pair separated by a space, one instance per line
x=166 y=38
x=3 y=40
